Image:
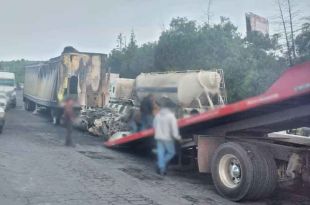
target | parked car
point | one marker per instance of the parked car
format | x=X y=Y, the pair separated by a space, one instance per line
x=4 y=99
x=8 y=85
x=2 y=118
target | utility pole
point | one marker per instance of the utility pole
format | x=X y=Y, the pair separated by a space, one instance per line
x=286 y=36
x=208 y=11
x=292 y=31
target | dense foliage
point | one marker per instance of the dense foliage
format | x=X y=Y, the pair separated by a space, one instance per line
x=17 y=67
x=249 y=64
x=303 y=43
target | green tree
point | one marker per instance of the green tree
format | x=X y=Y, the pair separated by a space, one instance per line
x=132 y=60
x=176 y=46
x=303 y=43
x=17 y=67
x=250 y=64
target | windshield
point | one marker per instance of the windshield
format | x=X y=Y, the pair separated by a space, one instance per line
x=7 y=82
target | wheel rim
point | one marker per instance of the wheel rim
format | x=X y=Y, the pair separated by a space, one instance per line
x=230 y=171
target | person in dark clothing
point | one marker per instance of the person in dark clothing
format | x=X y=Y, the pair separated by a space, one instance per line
x=68 y=117
x=134 y=120
x=146 y=109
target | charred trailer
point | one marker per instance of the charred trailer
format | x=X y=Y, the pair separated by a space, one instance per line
x=77 y=74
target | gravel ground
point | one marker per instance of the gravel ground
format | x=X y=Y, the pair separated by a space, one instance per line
x=35 y=168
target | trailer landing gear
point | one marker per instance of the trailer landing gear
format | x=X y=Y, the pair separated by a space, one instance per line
x=56 y=116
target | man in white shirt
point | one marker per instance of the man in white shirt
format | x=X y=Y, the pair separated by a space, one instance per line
x=166 y=132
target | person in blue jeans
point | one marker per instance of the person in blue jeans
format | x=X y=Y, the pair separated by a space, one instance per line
x=166 y=132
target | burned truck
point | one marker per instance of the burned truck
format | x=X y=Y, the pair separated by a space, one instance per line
x=73 y=73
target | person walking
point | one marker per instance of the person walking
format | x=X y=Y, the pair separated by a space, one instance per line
x=146 y=110
x=166 y=132
x=68 y=117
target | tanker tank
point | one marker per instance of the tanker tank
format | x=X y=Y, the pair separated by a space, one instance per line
x=188 y=89
x=121 y=88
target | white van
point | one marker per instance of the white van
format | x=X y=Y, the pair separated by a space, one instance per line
x=8 y=86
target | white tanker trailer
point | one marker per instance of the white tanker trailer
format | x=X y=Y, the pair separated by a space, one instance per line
x=121 y=89
x=189 y=89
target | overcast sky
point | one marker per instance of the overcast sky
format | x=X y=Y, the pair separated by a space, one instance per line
x=39 y=29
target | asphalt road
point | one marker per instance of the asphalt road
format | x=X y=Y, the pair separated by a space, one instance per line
x=35 y=168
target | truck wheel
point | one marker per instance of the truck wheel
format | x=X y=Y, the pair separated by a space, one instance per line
x=26 y=105
x=232 y=171
x=261 y=175
x=29 y=105
x=243 y=171
x=271 y=173
x=266 y=165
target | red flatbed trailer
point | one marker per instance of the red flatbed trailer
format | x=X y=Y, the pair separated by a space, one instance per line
x=228 y=134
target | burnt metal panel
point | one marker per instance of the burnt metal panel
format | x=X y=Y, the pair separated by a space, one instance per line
x=48 y=83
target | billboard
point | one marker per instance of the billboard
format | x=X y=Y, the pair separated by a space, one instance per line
x=256 y=23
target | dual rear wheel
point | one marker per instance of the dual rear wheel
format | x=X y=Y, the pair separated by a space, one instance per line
x=243 y=171
x=29 y=105
x=55 y=113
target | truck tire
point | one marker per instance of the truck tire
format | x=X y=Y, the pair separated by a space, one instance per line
x=26 y=105
x=261 y=175
x=253 y=166
x=29 y=105
x=271 y=179
x=232 y=171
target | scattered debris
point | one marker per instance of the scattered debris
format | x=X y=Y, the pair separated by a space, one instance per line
x=104 y=122
x=126 y=110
